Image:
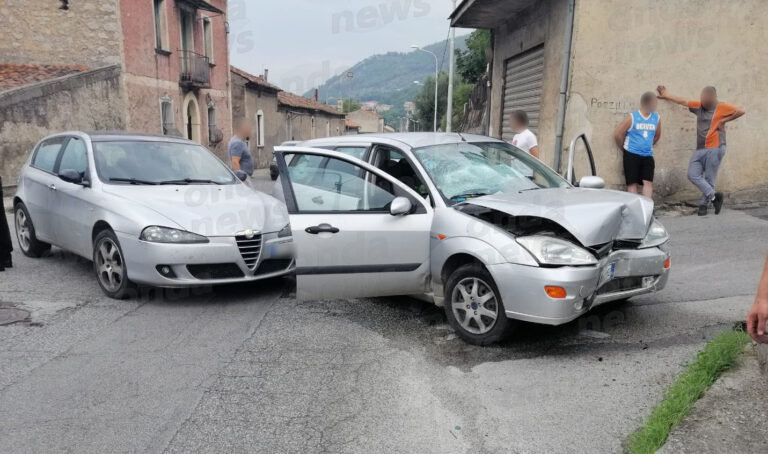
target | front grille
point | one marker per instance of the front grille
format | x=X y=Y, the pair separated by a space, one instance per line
x=273 y=266
x=250 y=249
x=215 y=271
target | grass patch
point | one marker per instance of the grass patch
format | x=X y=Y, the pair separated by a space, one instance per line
x=718 y=356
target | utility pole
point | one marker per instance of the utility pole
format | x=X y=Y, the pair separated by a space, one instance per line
x=451 y=70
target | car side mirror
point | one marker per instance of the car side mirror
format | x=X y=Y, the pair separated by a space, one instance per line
x=242 y=176
x=71 y=176
x=400 y=206
x=591 y=182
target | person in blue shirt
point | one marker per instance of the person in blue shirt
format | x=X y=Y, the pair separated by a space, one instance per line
x=636 y=135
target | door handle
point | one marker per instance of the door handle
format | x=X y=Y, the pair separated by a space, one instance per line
x=52 y=187
x=322 y=228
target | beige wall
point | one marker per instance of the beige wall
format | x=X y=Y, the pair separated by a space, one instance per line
x=542 y=24
x=368 y=122
x=299 y=125
x=85 y=101
x=274 y=124
x=623 y=48
x=39 y=32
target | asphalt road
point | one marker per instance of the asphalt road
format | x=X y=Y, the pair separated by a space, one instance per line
x=249 y=369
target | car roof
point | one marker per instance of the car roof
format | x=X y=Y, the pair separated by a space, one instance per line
x=106 y=136
x=411 y=139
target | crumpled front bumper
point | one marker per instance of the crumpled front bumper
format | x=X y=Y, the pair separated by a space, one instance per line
x=522 y=288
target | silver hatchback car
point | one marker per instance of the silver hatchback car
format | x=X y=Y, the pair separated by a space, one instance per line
x=151 y=210
x=471 y=223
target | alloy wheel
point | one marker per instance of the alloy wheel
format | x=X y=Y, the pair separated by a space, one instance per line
x=23 y=233
x=109 y=264
x=474 y=305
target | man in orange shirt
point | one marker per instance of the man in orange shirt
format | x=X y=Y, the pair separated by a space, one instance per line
x=711 y=117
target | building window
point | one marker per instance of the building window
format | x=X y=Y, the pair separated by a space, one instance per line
x=208 y=39
x=160 y=25
x=259 y=129
x=328 y=128
x=211 y=124
x=166 y=116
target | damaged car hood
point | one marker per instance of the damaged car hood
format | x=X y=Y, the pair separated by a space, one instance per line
x=592 y=216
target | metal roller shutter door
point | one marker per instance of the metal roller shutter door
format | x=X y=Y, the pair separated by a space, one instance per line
x=523 y=79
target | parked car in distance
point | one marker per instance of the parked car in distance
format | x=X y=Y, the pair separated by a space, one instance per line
x=273 y=173
x=150 y=210
x=469 y=222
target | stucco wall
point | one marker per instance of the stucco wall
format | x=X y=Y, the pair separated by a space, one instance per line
x=542 y=24
x=623 y=48
x=274 y=124
x=368 y=121
x=39 y=32
x=86 y=101
x=298 y=126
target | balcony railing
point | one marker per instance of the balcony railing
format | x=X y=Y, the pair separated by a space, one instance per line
x=195 y=70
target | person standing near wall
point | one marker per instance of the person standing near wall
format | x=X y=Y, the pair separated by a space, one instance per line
x=711 y=117
x=636 y=135
x=239 y=154
x=5 y=236
x=524 y=138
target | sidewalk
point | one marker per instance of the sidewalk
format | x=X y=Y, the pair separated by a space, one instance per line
x=732 y=416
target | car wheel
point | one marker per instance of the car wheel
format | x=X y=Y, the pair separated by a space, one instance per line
x=109 y=264
x=25 y=233
x=473 y=306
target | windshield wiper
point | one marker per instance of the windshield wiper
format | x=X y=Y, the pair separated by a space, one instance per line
x=529 y=189
x=133 y=181
x=469 y=195
x=190 y=181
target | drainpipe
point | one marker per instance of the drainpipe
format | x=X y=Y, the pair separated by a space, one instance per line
x=568 y=41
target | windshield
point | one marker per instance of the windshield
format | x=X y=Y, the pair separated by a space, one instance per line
x=465 y=170
x=142 y=162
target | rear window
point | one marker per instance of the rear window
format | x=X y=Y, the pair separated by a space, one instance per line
x=46 y=154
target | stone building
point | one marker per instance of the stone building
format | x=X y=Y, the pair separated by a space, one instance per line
x=368 y=120
x=608 y=53
x=279 y=116
x=166 y=63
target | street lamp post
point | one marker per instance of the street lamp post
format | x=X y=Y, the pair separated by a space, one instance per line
x=437 y=77
x=451 y=71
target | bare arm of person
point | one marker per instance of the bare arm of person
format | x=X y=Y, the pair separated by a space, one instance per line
x=657 y=136
x=534 y=151
x=664 y=94
x=236 y=163
x=758 y=314
x=621 y=131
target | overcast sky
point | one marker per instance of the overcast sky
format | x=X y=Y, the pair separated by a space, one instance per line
x=304 y=42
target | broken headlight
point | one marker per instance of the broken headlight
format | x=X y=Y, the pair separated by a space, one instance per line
x=554 y=251
x=656 y=236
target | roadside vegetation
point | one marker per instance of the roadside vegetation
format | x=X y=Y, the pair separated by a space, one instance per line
x=718 y=356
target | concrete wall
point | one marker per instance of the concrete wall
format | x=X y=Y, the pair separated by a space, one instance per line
x=368 y=121
x=264 y=101
x=623 y=48
x=86 y=101
x=39 y=32
x=542 y=24
x=298 y=124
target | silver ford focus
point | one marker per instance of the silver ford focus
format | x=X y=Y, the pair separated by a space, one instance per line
x=148 y=210
x=471 y=223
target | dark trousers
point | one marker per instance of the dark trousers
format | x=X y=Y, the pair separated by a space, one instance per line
x=5 y=235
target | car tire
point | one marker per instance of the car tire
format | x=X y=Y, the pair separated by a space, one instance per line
x=25 y=233
x=477 y=318
x=109 y=266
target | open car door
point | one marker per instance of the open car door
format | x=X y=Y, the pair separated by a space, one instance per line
x=358 y=231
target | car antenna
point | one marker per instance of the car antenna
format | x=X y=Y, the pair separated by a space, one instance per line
x=462 y=137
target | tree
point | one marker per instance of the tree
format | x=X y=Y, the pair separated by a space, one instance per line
x=425 y=101
x=471 y=64
x=350 y=105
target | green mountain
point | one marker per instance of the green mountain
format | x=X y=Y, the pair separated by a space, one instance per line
x=388 y=78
